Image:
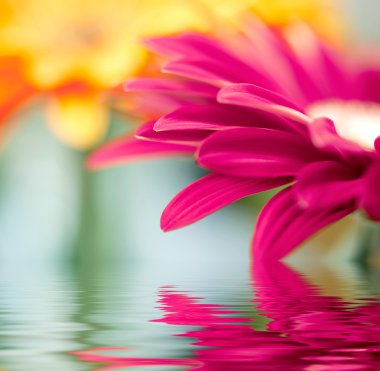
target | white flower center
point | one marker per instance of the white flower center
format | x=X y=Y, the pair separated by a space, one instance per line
x=354 y=120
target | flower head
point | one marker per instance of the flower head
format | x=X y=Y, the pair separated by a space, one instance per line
x=260 y=111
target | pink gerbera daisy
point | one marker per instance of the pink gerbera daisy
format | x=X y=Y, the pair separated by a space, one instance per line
x=262 y=110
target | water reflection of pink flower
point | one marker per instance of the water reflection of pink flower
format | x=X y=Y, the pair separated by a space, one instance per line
x=259 y=112
x=308 y=331
x=327 y=322
x=97 y=355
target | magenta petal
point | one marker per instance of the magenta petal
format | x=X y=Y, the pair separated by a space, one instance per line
x=210 y=194
x=367 y=85
x=187 y=45
x=205 y=117
x=207 y=71
x=188 y=137
x=325 y=72
x=377 y=145
x=283 y=225
x=256 y=152
x=128 y=148
x=200 y=57
x=339 y=76
x=215 y=116
x=154 y=104
x=324 y=136
x=171 y=86
x=371 y=193
x=327 y=184
x=249 y=95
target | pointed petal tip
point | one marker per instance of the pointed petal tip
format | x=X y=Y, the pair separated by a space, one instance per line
x=163 y=45
x=129 y=85
x=165 y=224
x=151 y=42
x=98 y=160
x=91 y=162
x=210 y=194
x=170 y=221
x=160 y=124
x=127 y=149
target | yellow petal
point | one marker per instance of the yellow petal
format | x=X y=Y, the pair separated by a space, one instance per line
x=78 y=120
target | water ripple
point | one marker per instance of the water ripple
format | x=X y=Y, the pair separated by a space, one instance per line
x=276 y=319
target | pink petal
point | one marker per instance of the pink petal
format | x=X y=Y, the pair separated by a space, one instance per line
x=283 y=225
x=339 y=77
x=199 y=56
x=210 y=72
x=377 y=145
x=171 y=86
x=308 y=91
x=325 y=71
x=267 y=49
x=256 y=152
x=154 y=105
x=187 y=45
x=367 y=85
x=203 y=116
x=327 y=184
x=271 y=51
x=129 y=149
x=371 y=192
x=249 y=95
x=188 y=137
x=325 y=137
x=219 y=117
x=210 y=194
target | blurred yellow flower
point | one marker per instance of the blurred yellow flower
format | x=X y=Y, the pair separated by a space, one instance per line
x=77 y=51
x=322 y=15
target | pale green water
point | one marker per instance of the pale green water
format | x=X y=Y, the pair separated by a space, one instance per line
x=47 y=313
x=330 y=319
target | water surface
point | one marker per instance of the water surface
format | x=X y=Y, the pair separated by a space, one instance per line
x=267 y=318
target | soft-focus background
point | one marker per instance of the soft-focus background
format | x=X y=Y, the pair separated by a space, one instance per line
x=76 y=246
